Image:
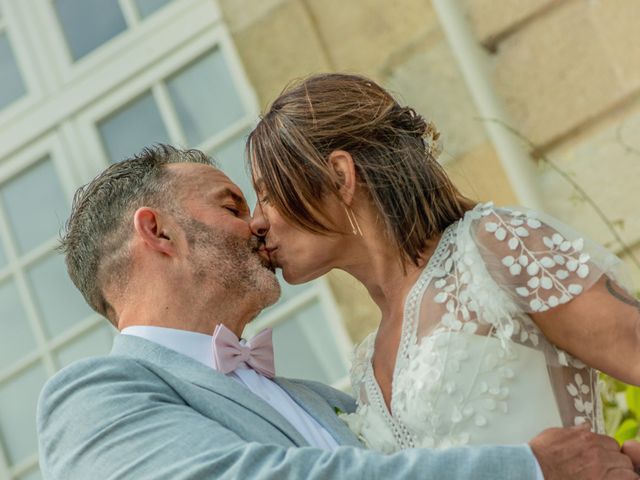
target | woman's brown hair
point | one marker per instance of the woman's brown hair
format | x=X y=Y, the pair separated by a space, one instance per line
x=392 y=148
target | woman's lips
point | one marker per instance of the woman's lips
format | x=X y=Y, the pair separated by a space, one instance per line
x=267 y=256
x=272 y=252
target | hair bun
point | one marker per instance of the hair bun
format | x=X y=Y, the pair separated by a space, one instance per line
x=413 y=123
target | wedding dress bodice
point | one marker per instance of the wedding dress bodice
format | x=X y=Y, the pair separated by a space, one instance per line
x=472 y=367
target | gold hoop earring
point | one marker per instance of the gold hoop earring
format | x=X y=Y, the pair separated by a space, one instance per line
x=353 y=221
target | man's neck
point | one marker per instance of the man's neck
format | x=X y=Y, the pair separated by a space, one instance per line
x=201 y=317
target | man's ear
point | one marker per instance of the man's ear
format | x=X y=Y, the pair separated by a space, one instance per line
x=345 y=173
x=154 y=231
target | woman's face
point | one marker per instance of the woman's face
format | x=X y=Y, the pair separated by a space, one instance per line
x=302 y=255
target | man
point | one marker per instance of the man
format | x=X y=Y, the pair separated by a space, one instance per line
x=160 y=245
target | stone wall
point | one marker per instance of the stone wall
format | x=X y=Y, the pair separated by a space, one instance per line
x=568 y=72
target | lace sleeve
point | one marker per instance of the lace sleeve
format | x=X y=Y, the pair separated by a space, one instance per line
x=538 y=261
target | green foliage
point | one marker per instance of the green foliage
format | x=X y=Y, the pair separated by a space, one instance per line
x=621 y=408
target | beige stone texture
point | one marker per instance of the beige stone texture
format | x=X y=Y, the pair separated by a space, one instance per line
x=616 y=23
x=490 y=18
x=556 y=74
x=480 y=176
x=430 y=82
x=278 y=47
x=606 y=165
x=362 y=35
x=240 y=14
x=360 y=313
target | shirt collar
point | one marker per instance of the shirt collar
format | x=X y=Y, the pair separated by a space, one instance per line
x=192 y=344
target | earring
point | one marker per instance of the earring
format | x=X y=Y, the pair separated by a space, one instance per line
x=353 y=221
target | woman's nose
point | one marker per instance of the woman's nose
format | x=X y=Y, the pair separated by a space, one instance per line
x=259 y=223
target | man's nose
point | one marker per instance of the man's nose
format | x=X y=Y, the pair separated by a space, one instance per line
x=259 y=223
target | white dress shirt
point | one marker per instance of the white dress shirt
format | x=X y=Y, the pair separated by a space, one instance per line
x=200 y=347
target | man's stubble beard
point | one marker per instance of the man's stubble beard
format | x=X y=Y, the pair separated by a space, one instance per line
x=233 y=263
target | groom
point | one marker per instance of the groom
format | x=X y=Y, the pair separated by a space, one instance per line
x=161 y=246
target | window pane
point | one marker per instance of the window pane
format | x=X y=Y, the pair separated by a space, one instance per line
x=59 y=303
x=11 y=84
x=97 y=342
x=230 y=158
x=87 y=24
x=205 y=97
x=18 y=399
x=16 y=339
x=35 y=204
x=307 y=338
x=137 y=125
x=147 y=7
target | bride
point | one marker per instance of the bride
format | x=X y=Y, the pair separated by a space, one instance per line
x=494 y=320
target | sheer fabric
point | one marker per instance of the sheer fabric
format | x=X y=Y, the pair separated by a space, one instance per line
x=472 y=367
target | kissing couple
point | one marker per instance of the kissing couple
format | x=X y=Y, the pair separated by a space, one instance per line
x=495 y=321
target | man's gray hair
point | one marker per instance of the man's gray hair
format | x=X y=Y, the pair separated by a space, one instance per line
x=97 y=233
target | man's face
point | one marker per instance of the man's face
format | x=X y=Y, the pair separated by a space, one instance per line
x=222 y=248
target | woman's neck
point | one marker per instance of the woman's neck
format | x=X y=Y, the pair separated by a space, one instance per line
x=377 y=264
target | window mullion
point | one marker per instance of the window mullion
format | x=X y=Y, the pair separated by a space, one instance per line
x=4 y=463
x=168 y=113
x=25 y=295
x=130 y=13
x=25 y=465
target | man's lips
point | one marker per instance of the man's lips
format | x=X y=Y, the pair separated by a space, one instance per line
x=266 y=255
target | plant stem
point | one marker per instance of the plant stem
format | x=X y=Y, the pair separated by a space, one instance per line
x=625 y=248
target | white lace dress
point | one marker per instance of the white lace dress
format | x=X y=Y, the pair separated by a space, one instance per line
x=472 y=367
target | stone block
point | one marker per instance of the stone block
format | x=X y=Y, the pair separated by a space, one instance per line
x=617 y=25
x=278 y=47
x=239 y=14
x=606 y=164
x=430 y=82
x=490 y=18
x=479 y=176
x=362 y=35
x=555 y=74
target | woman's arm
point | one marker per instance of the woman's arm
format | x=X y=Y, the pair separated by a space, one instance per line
x=601 y=327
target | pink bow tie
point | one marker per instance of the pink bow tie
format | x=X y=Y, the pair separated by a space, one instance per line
x=257 y=353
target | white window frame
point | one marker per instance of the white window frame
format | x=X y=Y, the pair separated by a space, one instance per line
x=117 y=67
x=11 y=24
x=57 y=117
x=153 y=79
x=53 y=147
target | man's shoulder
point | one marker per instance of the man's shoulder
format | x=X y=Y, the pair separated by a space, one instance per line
x=91 y=377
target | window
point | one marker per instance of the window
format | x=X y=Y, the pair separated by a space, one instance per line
x=44 y=319
x=120 y=75
x=88 y=24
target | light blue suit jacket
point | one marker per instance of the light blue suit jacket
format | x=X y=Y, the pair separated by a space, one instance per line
x=147 y=412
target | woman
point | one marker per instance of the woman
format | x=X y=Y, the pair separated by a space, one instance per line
x=493 y=319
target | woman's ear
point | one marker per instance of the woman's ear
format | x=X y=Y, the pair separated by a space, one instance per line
x=345 y=174
x=153 y=231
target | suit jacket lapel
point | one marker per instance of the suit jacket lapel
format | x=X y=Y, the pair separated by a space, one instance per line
x=320 y=410
x=192 y=371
